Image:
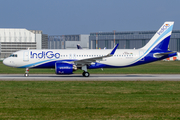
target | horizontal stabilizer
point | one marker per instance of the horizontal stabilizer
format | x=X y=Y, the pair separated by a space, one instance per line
x=158 y=55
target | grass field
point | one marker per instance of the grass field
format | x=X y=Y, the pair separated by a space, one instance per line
x=159 y=67
x=89 y=100
x=92 y=100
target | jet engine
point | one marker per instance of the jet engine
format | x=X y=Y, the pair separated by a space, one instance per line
x=64 y=68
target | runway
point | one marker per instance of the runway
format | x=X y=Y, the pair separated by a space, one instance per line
x=93 y=77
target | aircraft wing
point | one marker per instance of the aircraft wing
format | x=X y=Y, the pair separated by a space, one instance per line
x=94 y=59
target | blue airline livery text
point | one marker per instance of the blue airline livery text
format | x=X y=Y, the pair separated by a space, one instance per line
x=163 y=29
x=44 y=54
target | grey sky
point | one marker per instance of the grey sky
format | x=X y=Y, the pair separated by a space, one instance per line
x=65 y=17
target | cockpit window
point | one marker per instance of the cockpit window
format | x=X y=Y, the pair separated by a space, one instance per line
x=13 y=55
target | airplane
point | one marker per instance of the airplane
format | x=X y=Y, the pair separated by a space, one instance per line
x=66 y=61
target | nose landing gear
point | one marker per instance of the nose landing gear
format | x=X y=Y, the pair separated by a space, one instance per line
x=26 y=72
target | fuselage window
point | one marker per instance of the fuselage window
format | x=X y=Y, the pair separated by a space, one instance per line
x=13 y=55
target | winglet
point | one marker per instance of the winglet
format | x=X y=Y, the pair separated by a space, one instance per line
x=78 y=46
x=114 y=50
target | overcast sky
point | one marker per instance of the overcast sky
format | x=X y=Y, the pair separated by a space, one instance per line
x=69 y=17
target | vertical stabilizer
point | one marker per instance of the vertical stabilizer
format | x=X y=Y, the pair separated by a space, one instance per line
x=160 y=40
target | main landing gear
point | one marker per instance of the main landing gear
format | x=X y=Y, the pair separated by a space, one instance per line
x=26 y=74
x=85 y=73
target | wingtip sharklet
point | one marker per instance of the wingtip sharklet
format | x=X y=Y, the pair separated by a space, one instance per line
x=114 y=50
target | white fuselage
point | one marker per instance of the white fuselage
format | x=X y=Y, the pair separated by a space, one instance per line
x=34 y=58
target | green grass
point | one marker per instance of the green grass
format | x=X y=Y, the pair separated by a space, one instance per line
x=159 y=67
x=92 y=100
x=89 y=100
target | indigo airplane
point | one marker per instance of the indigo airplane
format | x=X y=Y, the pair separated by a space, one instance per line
x=67 y=61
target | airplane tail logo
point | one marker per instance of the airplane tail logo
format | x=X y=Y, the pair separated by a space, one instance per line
x=160 y=40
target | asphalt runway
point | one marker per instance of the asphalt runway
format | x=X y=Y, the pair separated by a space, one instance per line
x=93 y=77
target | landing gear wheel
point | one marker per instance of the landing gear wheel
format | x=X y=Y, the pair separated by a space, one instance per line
x=26 y=75
x=86 y=74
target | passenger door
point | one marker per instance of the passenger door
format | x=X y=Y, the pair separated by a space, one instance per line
x=26 y=56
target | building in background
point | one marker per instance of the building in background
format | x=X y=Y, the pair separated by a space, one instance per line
x=129 y=40
x=68 y=41
x=12 y=40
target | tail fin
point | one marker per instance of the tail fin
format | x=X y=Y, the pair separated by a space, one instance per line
x=160 y=40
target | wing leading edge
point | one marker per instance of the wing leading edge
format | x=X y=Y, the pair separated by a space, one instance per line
x=94 y=59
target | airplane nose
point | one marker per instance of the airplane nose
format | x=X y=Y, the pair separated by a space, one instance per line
x=9 y=62
x=5 y=62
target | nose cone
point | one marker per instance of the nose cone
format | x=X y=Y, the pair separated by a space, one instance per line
x=5 y=62
x=8 y=62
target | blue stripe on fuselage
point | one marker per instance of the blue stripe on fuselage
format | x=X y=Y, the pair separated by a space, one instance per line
x=34 y=64
x=45 y=64
x=149 y=58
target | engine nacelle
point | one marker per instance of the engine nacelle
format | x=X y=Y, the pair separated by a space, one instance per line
x=64 y=68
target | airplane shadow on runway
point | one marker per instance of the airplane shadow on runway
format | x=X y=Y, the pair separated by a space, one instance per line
x=75 y=75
